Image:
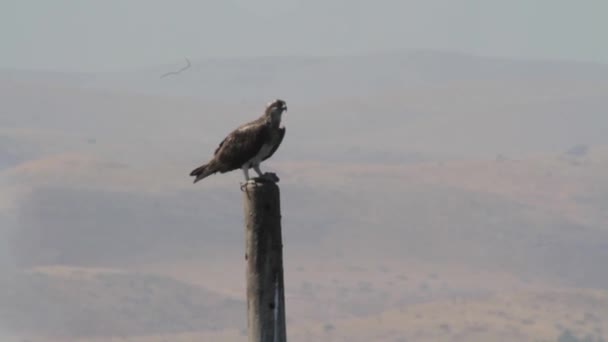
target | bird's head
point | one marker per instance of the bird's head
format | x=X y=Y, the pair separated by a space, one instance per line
x=276 y=108
x=274 y=111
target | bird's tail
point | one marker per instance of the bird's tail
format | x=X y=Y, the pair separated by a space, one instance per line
x=203 y=171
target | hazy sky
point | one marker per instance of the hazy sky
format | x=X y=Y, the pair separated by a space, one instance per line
x=118 y=34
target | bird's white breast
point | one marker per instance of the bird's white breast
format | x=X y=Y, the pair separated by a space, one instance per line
x=264 y=151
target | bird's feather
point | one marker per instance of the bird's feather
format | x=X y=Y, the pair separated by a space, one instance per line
x=278 y=143
x=248 y=145
x=240 y=146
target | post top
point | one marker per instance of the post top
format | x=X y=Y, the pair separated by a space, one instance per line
x=269 y=179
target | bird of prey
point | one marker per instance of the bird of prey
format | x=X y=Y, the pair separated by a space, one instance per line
x=248 y=145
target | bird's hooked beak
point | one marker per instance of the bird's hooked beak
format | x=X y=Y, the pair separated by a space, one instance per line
x=284 y=108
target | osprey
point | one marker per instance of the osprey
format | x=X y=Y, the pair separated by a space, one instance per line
x=248 y=145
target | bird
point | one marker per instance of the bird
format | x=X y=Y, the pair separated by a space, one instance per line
x=248 y=145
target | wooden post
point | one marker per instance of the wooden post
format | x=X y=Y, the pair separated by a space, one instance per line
x=264 y=255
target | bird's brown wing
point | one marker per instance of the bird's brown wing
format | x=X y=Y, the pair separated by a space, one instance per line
x=240 y=146
x=276 y=146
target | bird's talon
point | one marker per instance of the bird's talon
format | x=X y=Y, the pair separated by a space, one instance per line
x=247 y=182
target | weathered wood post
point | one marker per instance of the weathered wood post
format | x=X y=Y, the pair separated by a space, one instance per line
x=264 y=255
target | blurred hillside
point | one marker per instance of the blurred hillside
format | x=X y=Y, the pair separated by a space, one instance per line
x=426 y=196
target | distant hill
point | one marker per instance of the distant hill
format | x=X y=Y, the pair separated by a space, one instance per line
x=526 y=316
x=83 y=303
x=409 y=180
x=398 y=107
x=511 y=213
x=316 y=78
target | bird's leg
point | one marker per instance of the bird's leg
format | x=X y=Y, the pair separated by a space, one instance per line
x=246 y=172
x=256 y=168
x=268 y=175
x=245 y=169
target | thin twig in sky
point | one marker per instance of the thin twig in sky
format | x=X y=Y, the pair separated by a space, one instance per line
x=188 y=64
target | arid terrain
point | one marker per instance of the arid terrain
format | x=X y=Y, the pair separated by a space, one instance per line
x=432 y=197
